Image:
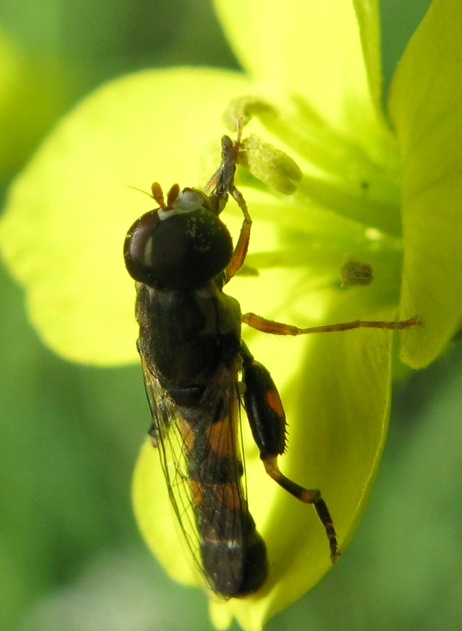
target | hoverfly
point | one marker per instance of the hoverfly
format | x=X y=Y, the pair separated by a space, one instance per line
x=198 y=370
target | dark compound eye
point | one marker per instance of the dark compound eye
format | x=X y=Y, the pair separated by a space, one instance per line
x=137 y=246
x=180 y=251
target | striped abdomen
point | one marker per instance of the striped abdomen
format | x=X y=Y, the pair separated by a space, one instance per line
x=233 y=553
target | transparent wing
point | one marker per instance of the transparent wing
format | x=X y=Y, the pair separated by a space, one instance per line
x=201 y=459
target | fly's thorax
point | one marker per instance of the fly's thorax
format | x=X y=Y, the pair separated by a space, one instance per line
x=186 y=335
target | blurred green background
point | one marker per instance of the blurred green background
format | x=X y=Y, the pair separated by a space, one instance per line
x=70 y=554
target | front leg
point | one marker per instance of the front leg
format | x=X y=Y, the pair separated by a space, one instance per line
x=268 y=424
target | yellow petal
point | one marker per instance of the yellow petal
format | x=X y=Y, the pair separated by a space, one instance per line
x=306 y=50
x=68 y=213
x=426 y=107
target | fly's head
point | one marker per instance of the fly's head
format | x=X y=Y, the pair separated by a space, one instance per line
x=180 y=245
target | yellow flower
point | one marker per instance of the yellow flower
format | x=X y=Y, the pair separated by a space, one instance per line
x=377 y=207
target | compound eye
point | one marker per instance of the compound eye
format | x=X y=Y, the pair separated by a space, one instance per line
x=138 y=247
x=189 y=249
x=178 y=250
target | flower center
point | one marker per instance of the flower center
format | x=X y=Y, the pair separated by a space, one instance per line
x=360 y=183
x=342 y=212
